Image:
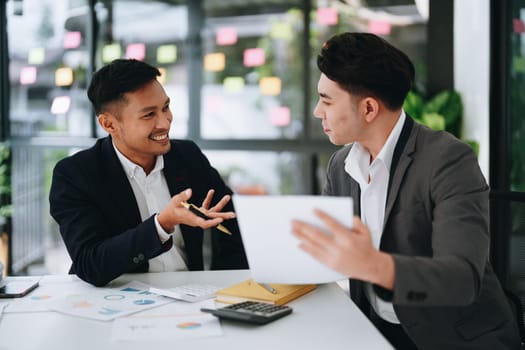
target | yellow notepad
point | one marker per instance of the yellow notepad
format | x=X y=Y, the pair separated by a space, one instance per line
x=250 y=290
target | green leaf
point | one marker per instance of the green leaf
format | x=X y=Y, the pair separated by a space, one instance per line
x=413 y=105
x=446 y=103
x=475 y=146
x=434 y=121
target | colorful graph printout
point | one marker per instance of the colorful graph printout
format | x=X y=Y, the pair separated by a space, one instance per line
x=178 y=320
x=108 y=303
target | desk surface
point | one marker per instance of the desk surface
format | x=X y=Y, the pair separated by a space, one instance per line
x=324 y=318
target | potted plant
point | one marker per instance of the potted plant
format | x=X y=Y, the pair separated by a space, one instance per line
x=444 y=111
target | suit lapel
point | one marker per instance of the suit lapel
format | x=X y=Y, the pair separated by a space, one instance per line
x=401 y=160
x=176 y=174
x=118 y=187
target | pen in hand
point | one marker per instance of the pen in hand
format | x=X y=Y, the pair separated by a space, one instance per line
x=195 y=210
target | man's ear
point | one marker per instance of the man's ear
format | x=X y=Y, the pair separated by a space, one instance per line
x=370 y=108
x=107 y=121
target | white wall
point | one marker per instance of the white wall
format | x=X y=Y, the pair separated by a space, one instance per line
x=471 y=71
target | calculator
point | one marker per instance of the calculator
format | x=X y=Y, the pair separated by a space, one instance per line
x=251 y=311
x=188 y=292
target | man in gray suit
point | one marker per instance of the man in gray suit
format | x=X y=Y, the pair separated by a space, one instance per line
x=417 y=254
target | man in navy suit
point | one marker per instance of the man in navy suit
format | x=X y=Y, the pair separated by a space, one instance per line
x=118 y=203
x=417 y=252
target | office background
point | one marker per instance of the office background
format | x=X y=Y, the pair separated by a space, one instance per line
x=242 y=78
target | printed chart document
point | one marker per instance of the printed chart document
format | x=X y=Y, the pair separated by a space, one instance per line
x=51 y=288
x=105 y=304
x=273 y=251
x=178 y=320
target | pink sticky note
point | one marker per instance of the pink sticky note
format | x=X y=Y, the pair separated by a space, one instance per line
x=379 y=27
x=60 y=105
x=226 y=36
x=136 y=51
x=28 y=75
x=327 y=16
x=280 y=116
x=519 y=26
x=254 y=57
x=72 y=40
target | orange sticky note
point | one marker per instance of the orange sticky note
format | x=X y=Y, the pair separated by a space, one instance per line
x=270 y=86
x=214 y=62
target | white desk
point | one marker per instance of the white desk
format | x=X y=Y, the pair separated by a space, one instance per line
x=323 y=319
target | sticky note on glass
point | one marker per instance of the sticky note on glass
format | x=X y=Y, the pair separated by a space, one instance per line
x=166 y=53
x=111 y=52
x=270 y=86
x=28 y=75
x=281 y=30
x=280 y=116
x=72 y=40
x=136 y=51
x=254 y=57
x=36 y=55
x=60 y=105
x=226 y=36
x=379 y=27
x=214 y=62
x=518 y=25
x=64 y=76
x=233 y=85
x=327 y=16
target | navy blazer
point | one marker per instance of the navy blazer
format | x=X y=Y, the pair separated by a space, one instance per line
x=445 y=294
x=93 y=203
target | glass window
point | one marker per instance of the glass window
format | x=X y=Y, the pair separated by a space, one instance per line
x=252 y=71
x=48 y=59
x=399 y=22
x=274 y=173
x=155 y=32
x=517 y=145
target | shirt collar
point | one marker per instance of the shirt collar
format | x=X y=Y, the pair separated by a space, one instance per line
x=359 y=158
x=131 y=168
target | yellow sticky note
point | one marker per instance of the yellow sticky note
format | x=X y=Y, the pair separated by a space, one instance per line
x=214 y=62
x=64 y=76
x=233 y=84
x=281 y=30
x=166 y=53
x=111 y=52
x=270 y=86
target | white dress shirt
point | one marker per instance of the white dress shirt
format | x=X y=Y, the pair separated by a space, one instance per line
x=373 y=178
x=152 y=195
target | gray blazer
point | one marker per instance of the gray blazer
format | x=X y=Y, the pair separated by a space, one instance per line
x=446 y=294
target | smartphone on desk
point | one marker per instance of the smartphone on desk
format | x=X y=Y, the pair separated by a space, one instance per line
x=17 y=289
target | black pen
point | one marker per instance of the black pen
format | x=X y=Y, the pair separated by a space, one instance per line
x=195 y=210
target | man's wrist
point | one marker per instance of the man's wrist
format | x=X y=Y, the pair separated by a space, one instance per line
x=163 y=221
x=383 y=270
